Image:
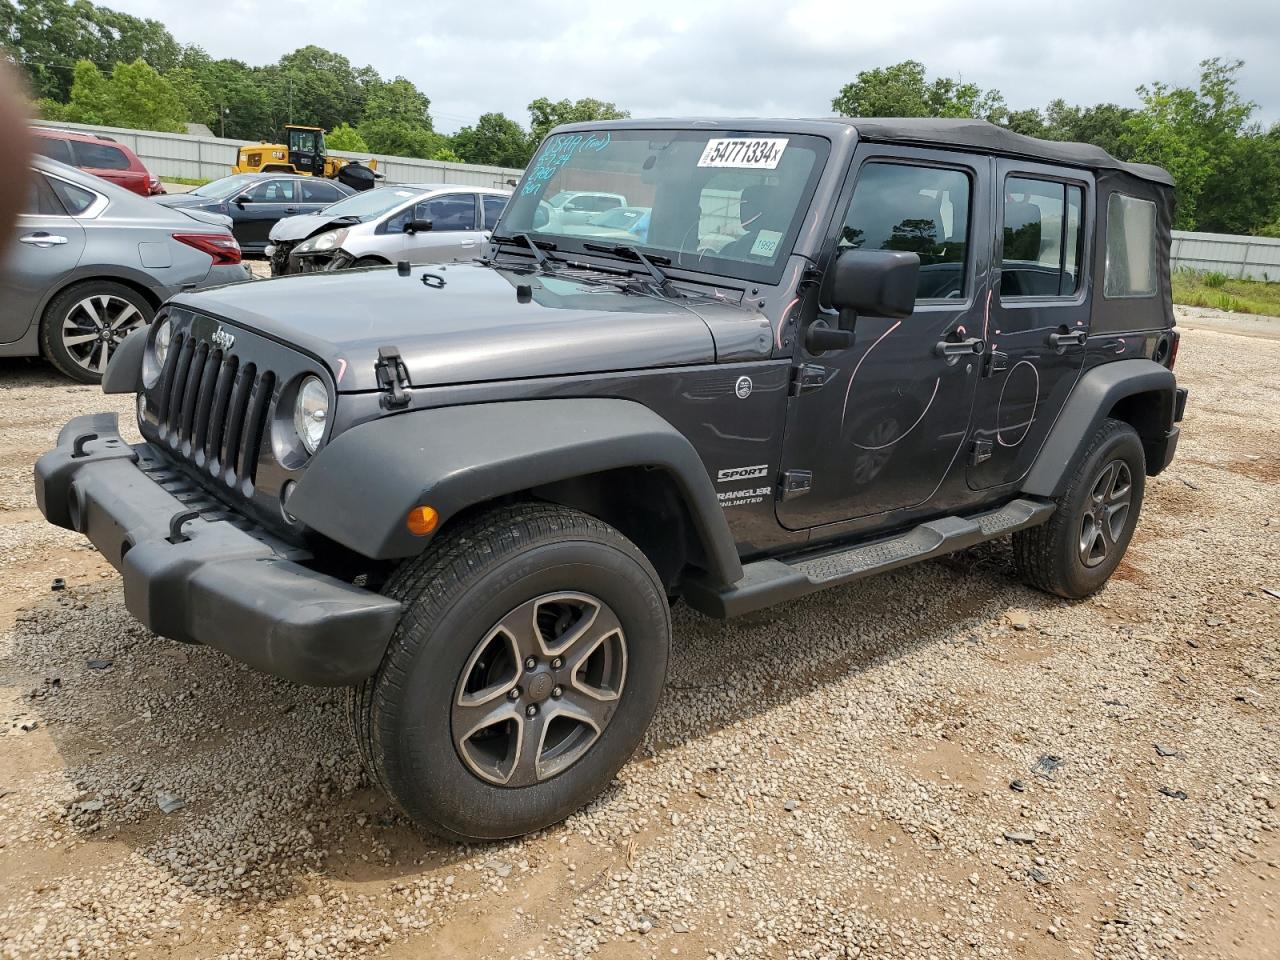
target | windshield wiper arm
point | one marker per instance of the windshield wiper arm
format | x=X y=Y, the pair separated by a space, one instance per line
x=660 y=279
x=536 y=246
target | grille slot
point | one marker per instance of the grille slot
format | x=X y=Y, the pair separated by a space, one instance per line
x=213 y=410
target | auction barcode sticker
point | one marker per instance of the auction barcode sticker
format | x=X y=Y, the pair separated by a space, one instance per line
x=754 y=153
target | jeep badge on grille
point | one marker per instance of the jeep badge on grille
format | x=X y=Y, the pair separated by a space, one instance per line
x=222 y=340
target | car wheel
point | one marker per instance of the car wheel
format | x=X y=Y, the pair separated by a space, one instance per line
x=525 y=669
x=1084 y=541
x=368 y=262
x=83 y=325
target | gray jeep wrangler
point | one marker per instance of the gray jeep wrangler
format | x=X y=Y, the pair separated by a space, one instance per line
x=807 y=352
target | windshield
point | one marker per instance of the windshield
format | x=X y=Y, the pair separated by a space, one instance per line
x=226 y=187
x=711 y=201
x=371 y=203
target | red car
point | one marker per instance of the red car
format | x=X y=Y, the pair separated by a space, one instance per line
x=100 y=156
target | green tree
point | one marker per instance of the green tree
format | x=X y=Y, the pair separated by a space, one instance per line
x=346 y=137
x=314 y=87
x=1105 y=125
x=133 y=96
x=397 y=138
x=903 y=90
x=398 y=100
x=495 y=140
x=1192 y=133
x=545 y=114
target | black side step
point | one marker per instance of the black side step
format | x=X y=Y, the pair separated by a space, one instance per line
x=766 y=582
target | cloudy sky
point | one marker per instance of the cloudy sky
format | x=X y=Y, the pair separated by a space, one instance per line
x=669 y=57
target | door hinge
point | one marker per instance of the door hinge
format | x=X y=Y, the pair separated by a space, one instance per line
x=996 y=362
x=980 y=451
x=796 y=483
x=393 y=378
x=806 y=377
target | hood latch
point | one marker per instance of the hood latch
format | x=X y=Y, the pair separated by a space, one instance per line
x=393 y=378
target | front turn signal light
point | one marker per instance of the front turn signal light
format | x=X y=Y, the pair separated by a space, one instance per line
x=421 y=521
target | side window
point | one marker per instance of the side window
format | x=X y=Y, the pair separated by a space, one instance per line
x=453 y=211
x=493 y=207
x=100 y=156
x=924 y=210
x=76 y=200
x=58 y=150
x=1131 y=247
x=273 y=191
x=319 y=192
x=41 y=200
x=1041 y=239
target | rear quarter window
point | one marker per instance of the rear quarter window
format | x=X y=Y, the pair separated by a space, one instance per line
x=1131 y=247
x=100 y=156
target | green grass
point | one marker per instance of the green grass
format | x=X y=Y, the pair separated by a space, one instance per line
x=186 y=181
x=1217 y=291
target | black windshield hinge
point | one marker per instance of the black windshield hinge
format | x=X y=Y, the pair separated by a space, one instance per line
x=393 y=378
x=806 y=377
x=795 y=483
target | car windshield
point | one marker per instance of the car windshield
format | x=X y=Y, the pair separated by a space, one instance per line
x=717 y=202
x=226 y=187
x=371 y=203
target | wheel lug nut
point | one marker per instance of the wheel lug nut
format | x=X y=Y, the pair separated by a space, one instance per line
x=513 y=693
x=531 y=710
x=530 y=663
x=557 y=663
x=557 y=692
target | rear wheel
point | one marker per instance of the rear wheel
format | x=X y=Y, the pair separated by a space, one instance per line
x=523 y=674
x=1076 y=552
x=84 y=324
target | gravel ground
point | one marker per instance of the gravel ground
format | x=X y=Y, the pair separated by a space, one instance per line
x=937 y=763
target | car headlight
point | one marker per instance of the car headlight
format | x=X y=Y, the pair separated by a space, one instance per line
x=310 y=413
x=323 y=241
x=164 y=336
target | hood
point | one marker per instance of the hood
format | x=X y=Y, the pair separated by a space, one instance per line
x=475 y=328
x=304 y=225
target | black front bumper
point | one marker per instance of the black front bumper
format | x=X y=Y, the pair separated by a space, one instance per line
x=208 y=581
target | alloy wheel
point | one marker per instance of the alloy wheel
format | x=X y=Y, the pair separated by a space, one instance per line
x=1105 y=513
x=95 y=326
x=539 y=689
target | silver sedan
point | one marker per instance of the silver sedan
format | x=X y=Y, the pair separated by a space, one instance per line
x=91 y=262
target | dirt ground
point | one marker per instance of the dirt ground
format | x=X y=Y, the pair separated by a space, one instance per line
x=937 y=763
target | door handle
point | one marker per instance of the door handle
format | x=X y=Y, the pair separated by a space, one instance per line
x=43 y=240
x=290 y=209
x=951 y=349
x=468 y=243
x=1067 y=338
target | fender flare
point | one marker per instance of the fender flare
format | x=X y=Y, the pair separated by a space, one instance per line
x=124 y=369
x=1094 y=396
x=358 y=488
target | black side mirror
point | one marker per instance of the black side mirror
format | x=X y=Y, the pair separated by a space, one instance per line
x=241 y=200
x=881 y=283
x=417 y=226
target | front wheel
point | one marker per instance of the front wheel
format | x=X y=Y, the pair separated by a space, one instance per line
x=527 y=665
x=1076 y=552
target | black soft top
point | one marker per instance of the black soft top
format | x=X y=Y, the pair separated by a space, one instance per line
x=976 y=135
x=989 y=138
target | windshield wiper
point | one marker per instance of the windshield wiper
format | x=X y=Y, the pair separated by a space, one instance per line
x=660 y=279
x=536 y=246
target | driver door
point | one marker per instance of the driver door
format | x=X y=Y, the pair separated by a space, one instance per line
x=879 y=426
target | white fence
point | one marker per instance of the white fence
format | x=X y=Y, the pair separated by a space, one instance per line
x=1247 y=258
x=205 y=158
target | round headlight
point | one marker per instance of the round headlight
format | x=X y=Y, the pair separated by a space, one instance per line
x=310 y=413
x=164 y=335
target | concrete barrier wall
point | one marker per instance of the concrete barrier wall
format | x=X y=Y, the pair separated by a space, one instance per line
x=1247 y=258
x=205 y=158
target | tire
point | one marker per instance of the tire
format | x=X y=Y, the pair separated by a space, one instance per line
x=368 y=262
x=1076 y=552
x=84 y=310
x=504 y=566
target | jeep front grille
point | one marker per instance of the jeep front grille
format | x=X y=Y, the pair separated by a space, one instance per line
x=212 y=409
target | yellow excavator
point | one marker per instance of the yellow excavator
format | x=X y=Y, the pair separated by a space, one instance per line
x=305 y=154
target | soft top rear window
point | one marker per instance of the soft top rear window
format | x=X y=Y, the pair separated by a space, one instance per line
x=1131 y=247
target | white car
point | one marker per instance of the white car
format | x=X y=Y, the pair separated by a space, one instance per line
x=571 y=207
x=421 y=223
